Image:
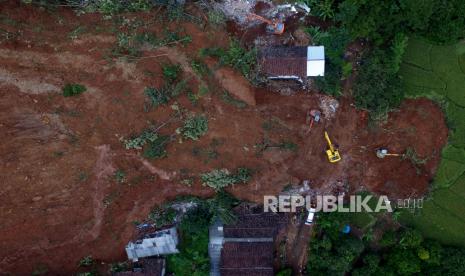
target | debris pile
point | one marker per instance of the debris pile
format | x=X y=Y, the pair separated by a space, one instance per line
x=328 y=105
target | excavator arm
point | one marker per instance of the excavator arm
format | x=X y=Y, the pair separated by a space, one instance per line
x=332 y=153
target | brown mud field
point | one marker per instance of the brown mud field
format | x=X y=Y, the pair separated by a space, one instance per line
x=59 y=198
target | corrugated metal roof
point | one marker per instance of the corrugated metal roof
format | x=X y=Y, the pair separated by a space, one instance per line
x=159 y=243
x=315 y=53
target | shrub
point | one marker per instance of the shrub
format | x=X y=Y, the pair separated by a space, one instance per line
x=120 y=176
x=86 y=261
x=216 y=18
x=139 y=141
x=162 y=216
x=171 y=72
x=73 y=89
x=158 y=96
x=235 y=56
x=199 y=67
x=240 y=58
x=194 y=127
x=119 y=267
x=157 y=148
x=243 y=175
x=219 y=179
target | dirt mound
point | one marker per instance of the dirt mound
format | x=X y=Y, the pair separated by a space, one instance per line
x=236 y=85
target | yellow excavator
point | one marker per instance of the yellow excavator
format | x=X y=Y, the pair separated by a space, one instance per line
x=274 y=26
x=332 y=152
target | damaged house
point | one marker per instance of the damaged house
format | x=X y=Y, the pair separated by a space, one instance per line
x=292 y=62
x=162 y=242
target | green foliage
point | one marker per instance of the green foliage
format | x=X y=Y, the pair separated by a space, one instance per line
x=285 y=272
x=119 y=267
x=331 y=83
x=157 y=148
x=158 y=96
x=377 y=88
x=221 y=207
x=322 y=8
x=171 y=72
x=163 y=216
x=86 y=261
x=216 y=18
x=236 y=56
x=222 y=178
x=441 y=21
x=193 y=257
x=446 y=22
x=388 y=239
x=410 y=238
x=194 y=127
x=398 y=48
x=138 y=142
x=199 y=67
x=120 y=176
x=404 y=252
x=335 y=41
x=316 y=34
x=73 y=90
x=216 y=52
x=112 y=7
x=240 y=59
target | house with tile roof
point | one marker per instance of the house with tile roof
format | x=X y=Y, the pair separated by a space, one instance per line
x=292 y=62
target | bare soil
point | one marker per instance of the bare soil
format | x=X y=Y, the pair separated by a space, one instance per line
x=59 y=198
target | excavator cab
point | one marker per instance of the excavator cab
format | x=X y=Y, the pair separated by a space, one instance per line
x=332 y=152
x=274 y=26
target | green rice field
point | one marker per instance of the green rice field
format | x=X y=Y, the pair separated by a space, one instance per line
x=438 y=72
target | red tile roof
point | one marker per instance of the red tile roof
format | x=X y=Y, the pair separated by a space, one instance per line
x=283 y=61
x=247 y=255
x=278 y=67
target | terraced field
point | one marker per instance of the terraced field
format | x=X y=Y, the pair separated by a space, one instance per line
x=438 y=72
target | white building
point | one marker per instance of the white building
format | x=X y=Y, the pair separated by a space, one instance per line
x=162 y=242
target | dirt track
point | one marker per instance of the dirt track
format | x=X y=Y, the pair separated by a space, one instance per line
x=58 y=155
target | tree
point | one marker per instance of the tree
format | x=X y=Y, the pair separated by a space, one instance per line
x=194 y=127
x=377 y=88
x=404 y=261
x=410 y=238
